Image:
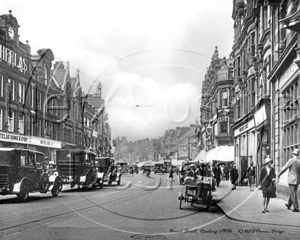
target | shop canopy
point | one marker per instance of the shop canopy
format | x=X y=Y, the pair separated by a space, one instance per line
x=199 y=156
x=220 y=154
x=121 y=161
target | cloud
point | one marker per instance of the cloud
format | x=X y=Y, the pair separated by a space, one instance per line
x=141 y=107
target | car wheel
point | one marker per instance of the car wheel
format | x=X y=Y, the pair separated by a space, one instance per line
x=56 y=188
x=24 y=194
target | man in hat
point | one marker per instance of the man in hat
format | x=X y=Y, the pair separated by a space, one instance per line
x=293 y=165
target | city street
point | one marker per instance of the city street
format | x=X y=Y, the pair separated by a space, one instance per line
x=140 y=208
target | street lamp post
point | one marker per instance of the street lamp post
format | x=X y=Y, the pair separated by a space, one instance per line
x=208 y=131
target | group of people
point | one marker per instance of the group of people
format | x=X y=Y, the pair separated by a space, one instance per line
x=268 y=177
x=217 y=171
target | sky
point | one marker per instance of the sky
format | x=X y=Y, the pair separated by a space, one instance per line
x=149 y=56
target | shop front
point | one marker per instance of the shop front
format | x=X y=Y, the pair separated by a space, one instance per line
x=262 y=127
x=45 y=145
x=244 y=147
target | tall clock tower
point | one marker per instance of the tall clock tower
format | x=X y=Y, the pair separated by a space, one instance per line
x=9 y=28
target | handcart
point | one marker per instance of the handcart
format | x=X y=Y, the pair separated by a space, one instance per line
x=198 y=192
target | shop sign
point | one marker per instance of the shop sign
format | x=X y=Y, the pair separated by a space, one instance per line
x=13 y=59
x=45 y=142
x=222 y=74
x=246 y=127
x=7 y=137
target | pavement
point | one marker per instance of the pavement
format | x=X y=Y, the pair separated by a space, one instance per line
x=243 y=205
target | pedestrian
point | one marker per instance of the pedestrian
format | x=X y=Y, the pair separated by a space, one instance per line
x=234 y=175
x=267 y=177
x=293 y=165
x=171 y=171
x=251 y=176
x=226 y=172
x=218 y=175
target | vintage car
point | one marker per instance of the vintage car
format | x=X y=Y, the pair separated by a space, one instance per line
x=23 y=171
x=109 y=170
x=159 y=168
x=78 y=167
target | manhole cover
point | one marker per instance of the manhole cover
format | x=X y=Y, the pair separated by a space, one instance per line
x=148 y=236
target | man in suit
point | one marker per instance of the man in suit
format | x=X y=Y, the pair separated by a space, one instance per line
x=293 y=165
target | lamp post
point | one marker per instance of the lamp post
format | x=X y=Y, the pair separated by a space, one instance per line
x=208 y=132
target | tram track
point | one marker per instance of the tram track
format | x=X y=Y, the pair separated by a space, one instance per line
x=62 y=204
x=67 y=212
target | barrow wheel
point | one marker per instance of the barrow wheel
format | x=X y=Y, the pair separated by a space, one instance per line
x=24 y=194
x=56 y=188
x=209 y=200
x=180 y=201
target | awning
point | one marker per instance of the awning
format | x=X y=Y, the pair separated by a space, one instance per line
x=221 y=154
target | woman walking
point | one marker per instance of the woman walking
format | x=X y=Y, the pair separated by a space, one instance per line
x=267 y=179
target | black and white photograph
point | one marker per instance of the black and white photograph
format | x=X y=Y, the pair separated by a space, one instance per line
x=149 y=119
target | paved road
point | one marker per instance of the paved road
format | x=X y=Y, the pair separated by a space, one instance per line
x=141 y=208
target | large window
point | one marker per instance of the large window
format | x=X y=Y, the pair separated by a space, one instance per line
x=39 y=100
x=223 y=128
x=10 y=121
x=1 y=86
x=1 y=119
x=251 y=89
x=224 y=96
x=12 y=93
x=32 y=95
x=21 y=123
x=21 y=93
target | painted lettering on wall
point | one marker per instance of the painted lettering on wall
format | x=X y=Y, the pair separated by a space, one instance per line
x=12 y=59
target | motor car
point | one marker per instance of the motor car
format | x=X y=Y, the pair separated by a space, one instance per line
x=159 y=168
x=109 y=170
x=78 y=167
x=23 y=171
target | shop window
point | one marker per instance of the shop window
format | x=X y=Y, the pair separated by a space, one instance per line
x=21 y=123
x=10 y=121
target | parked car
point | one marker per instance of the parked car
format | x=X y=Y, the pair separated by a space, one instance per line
x=78 y=167
x=23 y=171
x=159 y=168
x=108 y=170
